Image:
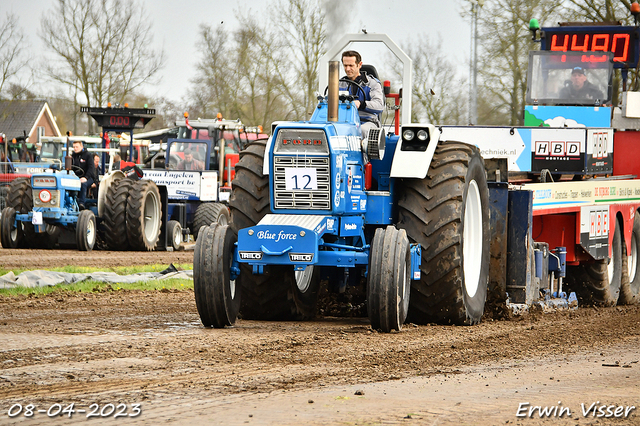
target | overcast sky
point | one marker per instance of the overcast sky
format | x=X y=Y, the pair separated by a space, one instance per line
x=176 y=23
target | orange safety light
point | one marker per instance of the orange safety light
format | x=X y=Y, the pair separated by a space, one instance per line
x=186 y=115
x=126 y=104
x=219 y=116
x=259 y=129
x=108 y=104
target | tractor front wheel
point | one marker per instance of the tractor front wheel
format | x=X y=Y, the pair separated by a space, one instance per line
x=86 y=230
x=217 y=296
x=174 y=233
x=389 y=279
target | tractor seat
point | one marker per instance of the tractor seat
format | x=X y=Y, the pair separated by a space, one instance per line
x=370 y=69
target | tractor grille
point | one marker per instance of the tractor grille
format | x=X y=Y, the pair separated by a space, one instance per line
x=319 y=199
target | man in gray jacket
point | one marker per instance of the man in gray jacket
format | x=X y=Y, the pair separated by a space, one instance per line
x=370 y=105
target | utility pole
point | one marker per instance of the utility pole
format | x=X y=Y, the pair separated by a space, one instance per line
x=473 y=67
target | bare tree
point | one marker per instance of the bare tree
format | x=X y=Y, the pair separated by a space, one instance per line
x=101 y=48
x=503 y=56
x=598 y=11
x=12 y=50
x=437 y=92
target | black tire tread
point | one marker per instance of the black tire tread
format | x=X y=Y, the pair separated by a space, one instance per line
x=207 y=214
x=115 y=215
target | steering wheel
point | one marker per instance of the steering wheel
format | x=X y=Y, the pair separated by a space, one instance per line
x=79 y=171
x=352 y=83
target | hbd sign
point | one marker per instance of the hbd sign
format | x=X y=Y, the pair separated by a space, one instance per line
x=557 y=149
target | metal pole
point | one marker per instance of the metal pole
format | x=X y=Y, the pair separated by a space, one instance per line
x=473 y=71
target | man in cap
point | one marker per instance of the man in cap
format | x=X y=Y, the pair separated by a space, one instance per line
x=580 y=88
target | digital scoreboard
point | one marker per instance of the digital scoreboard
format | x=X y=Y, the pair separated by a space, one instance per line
x=622 y=41
x=120 y=118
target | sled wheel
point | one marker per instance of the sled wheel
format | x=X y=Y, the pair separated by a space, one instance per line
x=217 y=296
x=630 y=288
x=389 y=279
x=447 y=213
x=599 y=282
x=10 y=234
x=86 y=230
x=174 y=232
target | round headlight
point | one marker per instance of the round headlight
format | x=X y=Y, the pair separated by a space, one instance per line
x=408 y=135
x=45 y=196
x=422 y=135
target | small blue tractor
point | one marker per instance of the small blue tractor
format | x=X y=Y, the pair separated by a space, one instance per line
x=404 y=209
x=47 y=213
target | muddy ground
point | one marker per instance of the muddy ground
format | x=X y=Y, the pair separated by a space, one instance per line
x=149 y=348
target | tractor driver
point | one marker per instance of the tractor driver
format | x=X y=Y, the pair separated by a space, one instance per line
x=580 y=88
x=190 y=163
x=83 y=161
x=370 y=107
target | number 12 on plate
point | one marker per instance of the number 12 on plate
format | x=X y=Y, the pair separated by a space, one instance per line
x=301 y=179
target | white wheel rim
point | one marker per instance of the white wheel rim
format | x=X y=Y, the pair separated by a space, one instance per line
x=303 y=278
x=222 y=220
x=632 y=259
x=177 y=236
x=472 y=239
x=91 y=233
x=151 y=219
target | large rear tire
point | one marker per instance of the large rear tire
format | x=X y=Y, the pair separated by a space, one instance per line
x=86 y=230
x=278 y=293
x=447 y=213
x=217 y=296
x=389 y=279
x=209 y=213
x=115 y=215
x=599 y=282
x=10 y=235
x=144 y=215
x=21 y=199
x=630 y=288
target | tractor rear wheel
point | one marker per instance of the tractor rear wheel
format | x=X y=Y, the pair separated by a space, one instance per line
x=217 y=296
x=115 y=215
x=630 y=288
x=447 y=213
x=599 y=282
x=144 y=214
x=389 y=279
x=209 y=213
x=10 y=235
x=278 y=293
x=21 y=199
x=86 y=230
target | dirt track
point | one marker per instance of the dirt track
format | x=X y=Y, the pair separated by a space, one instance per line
x=150 y=349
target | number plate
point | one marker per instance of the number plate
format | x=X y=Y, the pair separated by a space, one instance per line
x=301 y=179
x=36 y=219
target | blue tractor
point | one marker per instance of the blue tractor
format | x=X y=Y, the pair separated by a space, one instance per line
x=47 y=212
x=404 y=209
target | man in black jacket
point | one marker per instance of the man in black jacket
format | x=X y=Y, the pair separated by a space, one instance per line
x=83 y=160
